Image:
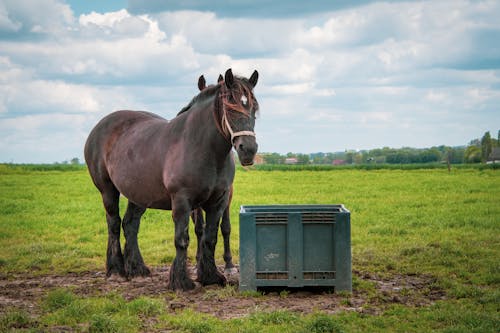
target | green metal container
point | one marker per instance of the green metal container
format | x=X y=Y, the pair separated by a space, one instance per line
x=295 y=246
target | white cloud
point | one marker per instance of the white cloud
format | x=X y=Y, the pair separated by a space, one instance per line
x=292 y=89
x=37 y=16
x=6 y=23
x=239 y=36
x=107 y=19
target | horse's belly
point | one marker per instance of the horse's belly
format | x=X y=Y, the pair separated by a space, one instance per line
x=148 y=200
x=142 y=188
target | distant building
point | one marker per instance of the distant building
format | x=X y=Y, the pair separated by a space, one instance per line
x=494 y=156
x=338 y=162
x=291 y=160
x=258 y=159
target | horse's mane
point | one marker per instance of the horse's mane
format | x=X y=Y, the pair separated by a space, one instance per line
x=202 y=94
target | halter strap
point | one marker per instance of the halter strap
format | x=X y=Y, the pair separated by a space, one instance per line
x=230 y=130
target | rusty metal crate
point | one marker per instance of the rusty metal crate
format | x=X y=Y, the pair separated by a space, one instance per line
x=295 y=246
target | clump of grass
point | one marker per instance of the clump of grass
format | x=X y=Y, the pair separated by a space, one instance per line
x=110 y=313
x=251 y=293
x=15 y=319
x=100 y=323
x=220 y=293
x=146 y=306
x=274 y=318
x=322 y=323
x=57 y=299
x=190 y=321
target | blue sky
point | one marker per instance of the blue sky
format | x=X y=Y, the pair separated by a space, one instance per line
x=333 y=75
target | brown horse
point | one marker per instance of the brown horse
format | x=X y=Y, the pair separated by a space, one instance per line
x=178 y=165
x=225 y=225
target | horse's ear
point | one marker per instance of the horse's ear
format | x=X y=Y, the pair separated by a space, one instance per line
x=220 y=79
x=254 y=78
x=202 y=84
x=229 y=78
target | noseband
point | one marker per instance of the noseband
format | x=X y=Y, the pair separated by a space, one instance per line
x=226 y=123
x=230 y=130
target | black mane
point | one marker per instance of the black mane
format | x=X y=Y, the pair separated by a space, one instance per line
x=207 y=92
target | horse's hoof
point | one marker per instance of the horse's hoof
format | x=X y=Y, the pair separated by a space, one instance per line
x=120 y=271
x=231 y=271
x=139 y=270
x=116 y=278
x=215 y=278
x=184 y=284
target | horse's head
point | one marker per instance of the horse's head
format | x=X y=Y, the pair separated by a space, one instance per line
x=239 y=107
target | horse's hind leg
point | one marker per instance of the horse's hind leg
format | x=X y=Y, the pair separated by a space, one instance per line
x=114 y=257
x=199 y=225
x=178 y=276
x=134 y=264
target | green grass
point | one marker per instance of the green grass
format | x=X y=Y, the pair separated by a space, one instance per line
x=415 y=221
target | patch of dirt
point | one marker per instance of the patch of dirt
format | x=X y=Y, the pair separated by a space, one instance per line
x=26 y=292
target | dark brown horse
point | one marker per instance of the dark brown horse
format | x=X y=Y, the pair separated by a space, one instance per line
x=225 y=225
x=178 y=165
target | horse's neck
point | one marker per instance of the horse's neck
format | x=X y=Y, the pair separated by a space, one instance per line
x=200 y=124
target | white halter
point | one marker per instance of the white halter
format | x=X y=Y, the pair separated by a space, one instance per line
x=230 y=130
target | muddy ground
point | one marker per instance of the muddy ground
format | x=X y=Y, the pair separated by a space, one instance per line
x=377 y=294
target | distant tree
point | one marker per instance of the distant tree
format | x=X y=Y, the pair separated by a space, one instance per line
x=431 y=155
x=349 y=157
x=456 y=155
x=302 y=159
x=274 y=158
x=317 y=158
x=475 y=142
x=472 y=154
x=496 y=142
x=329 y=157
x=485 y=146
x=358 y=158
x=75 y=160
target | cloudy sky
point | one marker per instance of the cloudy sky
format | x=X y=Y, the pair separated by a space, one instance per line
x=334 y=75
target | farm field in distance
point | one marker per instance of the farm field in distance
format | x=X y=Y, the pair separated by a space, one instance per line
x=425 y=249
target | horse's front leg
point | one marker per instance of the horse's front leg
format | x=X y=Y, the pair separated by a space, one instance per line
x=179 y=278
x=225 y=228
x=207 y=270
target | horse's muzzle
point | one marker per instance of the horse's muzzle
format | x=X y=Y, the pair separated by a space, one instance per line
x=246 y=147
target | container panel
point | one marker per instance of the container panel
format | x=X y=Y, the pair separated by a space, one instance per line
x=271 y=252
x=318 y=248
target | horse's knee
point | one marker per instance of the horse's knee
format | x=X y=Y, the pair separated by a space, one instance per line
x=225 y=228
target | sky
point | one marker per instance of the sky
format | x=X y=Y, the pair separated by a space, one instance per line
x=333 y=75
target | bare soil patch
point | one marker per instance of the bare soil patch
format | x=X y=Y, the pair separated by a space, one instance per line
x=25 y=292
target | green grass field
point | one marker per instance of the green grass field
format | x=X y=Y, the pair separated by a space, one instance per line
x=404 y=222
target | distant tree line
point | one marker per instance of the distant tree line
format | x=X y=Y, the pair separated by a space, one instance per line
x=476 y=151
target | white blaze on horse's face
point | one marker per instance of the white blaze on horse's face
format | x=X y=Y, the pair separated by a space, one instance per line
x=244 y=100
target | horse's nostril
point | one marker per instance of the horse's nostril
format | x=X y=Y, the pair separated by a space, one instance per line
x=241 y=147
